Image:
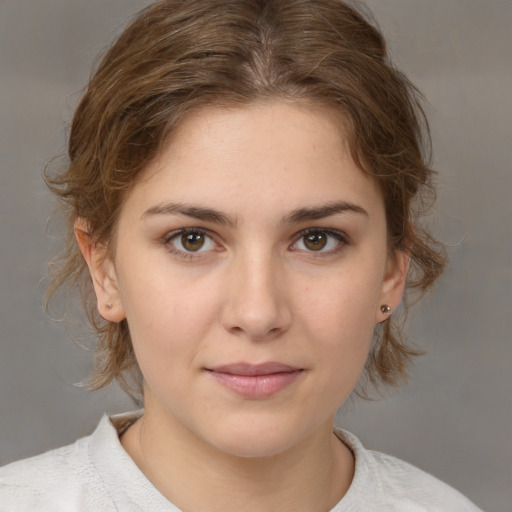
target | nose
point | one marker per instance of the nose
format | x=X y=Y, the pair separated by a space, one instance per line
x=256 y=305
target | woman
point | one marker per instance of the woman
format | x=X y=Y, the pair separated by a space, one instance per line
x=242 y=181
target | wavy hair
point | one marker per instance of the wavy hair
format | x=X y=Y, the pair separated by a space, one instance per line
x=178 y=56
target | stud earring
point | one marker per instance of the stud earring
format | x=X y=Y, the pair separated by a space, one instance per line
x=108 y=306
x=385 y=309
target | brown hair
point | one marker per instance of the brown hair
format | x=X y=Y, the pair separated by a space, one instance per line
x=180 y=55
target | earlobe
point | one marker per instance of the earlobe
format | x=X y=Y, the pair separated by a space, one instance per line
x=393 y=285
x=102 y=272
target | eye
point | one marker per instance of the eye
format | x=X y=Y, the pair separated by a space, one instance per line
x=320 y=240
x=190 y=241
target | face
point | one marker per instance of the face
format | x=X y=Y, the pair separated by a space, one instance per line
x=251 y=264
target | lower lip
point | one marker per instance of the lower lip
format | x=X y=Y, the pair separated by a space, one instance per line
x=256 y=386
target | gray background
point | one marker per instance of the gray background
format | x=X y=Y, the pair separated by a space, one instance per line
x=454 y=417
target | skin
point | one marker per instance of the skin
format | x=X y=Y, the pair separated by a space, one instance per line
x=257 y=290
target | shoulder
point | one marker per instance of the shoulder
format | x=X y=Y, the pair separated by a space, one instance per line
x=59 y=480
x=388 y=483
x=408 y=483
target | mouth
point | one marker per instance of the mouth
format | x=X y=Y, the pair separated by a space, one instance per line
x=255 y=381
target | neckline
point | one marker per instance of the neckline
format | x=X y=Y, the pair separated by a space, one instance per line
x=130 y=488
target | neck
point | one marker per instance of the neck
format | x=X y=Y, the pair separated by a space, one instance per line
x=193 y=475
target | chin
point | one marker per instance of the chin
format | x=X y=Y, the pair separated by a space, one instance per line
x=254 y=448
x=254 y=439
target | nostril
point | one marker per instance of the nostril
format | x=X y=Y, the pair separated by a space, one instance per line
x=256 y=334
x=256 y=307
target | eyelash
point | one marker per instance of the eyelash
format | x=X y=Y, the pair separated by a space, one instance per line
x=170 y=237
x=340 y=237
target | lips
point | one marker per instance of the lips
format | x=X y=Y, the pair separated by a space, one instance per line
x=255 y=381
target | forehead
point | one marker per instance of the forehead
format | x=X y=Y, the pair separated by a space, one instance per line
x=276 y=152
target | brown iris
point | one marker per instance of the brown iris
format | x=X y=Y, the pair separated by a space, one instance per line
x=315 y=241
x=192 y=241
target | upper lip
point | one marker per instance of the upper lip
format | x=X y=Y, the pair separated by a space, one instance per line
x=249 y=369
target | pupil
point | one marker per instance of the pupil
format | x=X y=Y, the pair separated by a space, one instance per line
x=192 y=241
x=315 y=241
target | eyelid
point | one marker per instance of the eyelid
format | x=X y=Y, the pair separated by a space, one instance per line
x=170 y=236
x=182 y=231
x=340 y=236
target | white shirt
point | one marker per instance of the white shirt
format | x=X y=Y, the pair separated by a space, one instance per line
x=95 y=474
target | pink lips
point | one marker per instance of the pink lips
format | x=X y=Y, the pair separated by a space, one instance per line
x=255 y=381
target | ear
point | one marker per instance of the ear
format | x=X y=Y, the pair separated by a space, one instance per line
x=393 y=285
x=103 y=274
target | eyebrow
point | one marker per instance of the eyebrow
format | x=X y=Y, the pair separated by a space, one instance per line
x=196 y=212
x=323 y=211
x=217 y=217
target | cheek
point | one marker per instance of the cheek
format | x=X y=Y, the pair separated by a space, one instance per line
x=340 y=319
x=343 y=302
x=167 y=319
